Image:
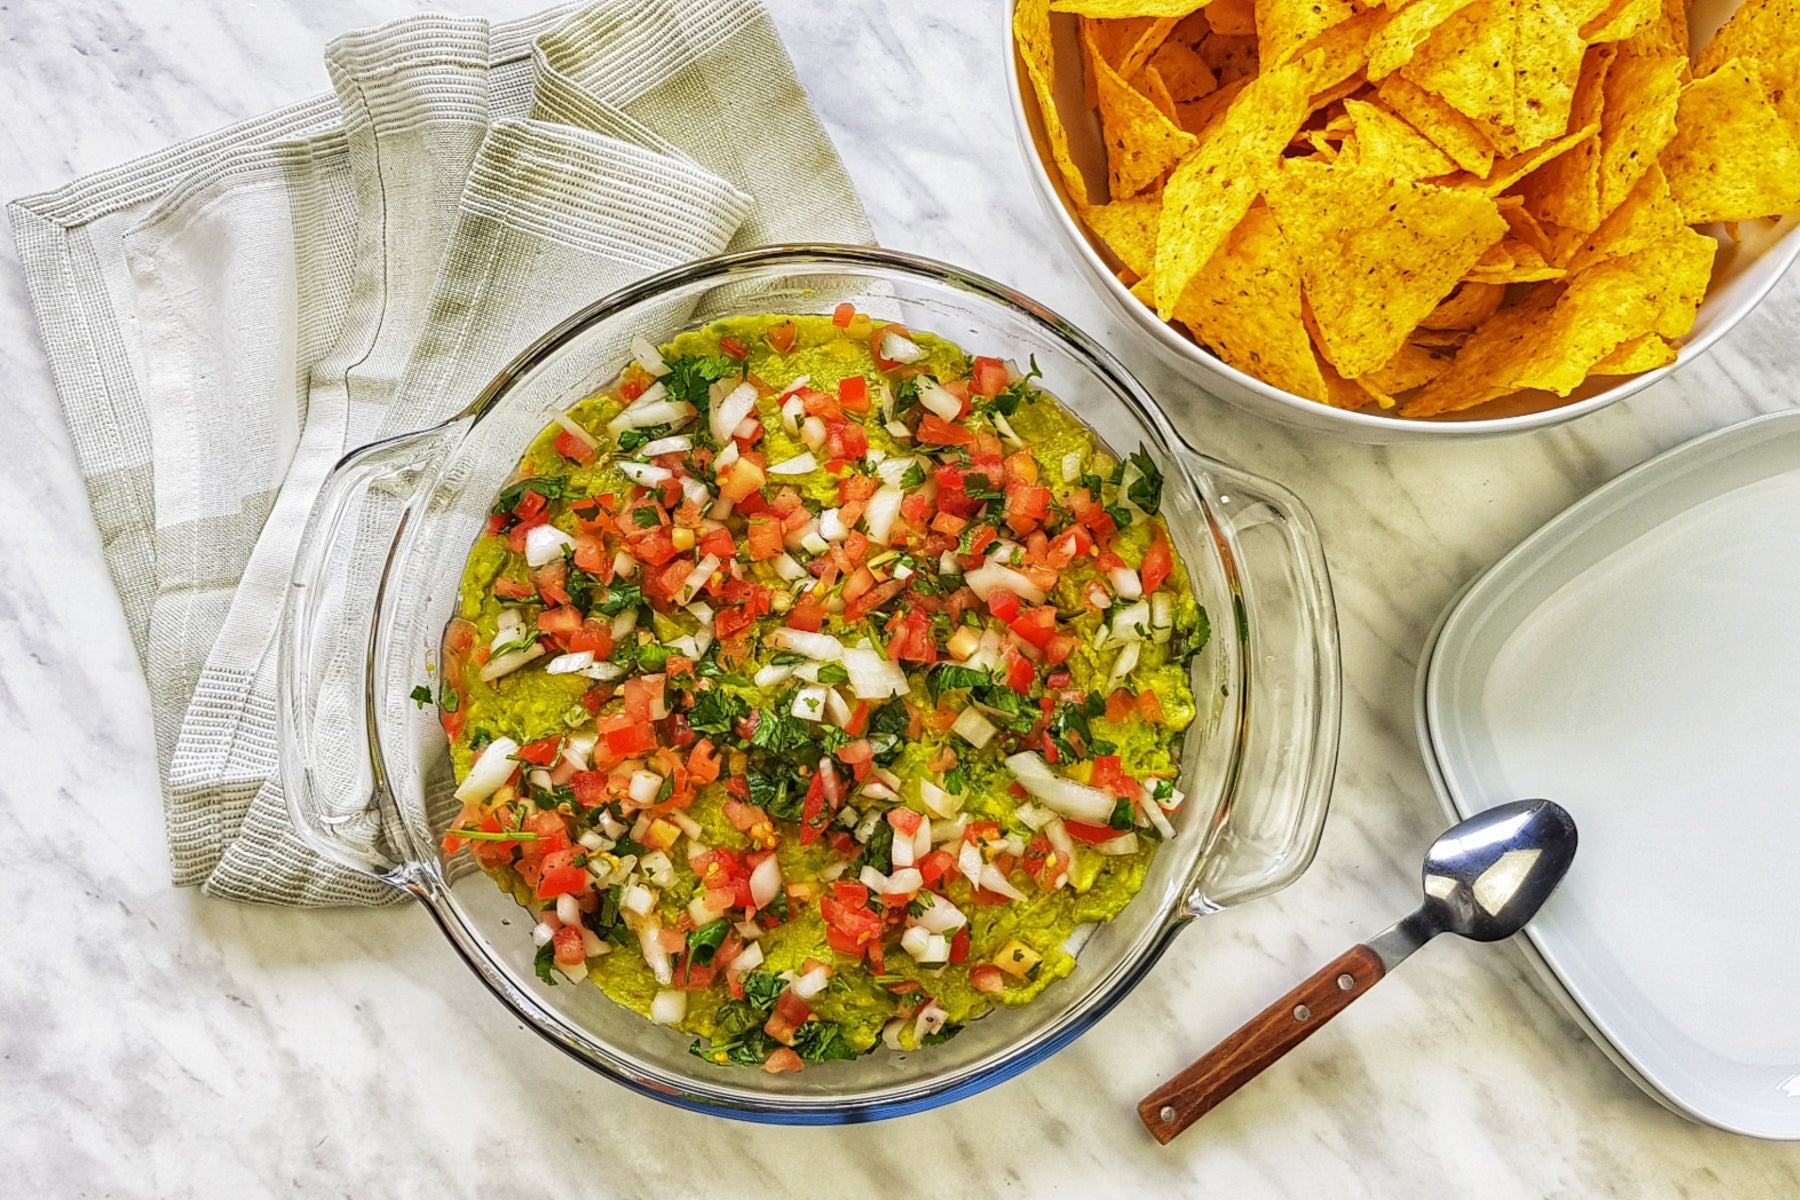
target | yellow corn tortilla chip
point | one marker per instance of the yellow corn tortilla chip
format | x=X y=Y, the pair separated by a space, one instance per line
x=1413 y=367
x=1566 y=190
x=1526 y=227
x=1620 y=20
x=1211 y=190
x=1345 y=393
x=1508 y=171
x=1546 y=71
x=1636 y=121
x=1396 y=44
x=1468 y=62
x=1127 y=45
x=1552 y=341
x=1388 y=144
x=1522 y=264
x=1343 y=53
x=1246 y=306
x=1646 y=353
x=1440 y=339
x=1453 y=133
x=1666 y=35
x=1127 y=8
x=1144 y=292
x=1377 y=254
x=1128 y=227
x=1199 y=117
x=1465 y=308
x=1732 y=158
x=1232 y=18
x=1141 y=140
x=1645 y=217
x=1767 y=32
x=1284 y=27
x=1183 y=72
x=1229 y=57
x=1149 y=83
x=1031 y=33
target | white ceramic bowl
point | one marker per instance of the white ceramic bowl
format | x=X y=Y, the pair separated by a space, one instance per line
x=1742 y=275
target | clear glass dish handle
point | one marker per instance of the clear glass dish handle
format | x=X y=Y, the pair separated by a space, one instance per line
x=1287 y=631
x=335 y=795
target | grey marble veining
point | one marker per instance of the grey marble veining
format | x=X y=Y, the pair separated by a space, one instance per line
x=153 y=1043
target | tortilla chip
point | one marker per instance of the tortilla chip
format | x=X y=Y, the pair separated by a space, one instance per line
x=1377 y=254
x=1229 y=58
x=1732 y=158
x=1175 y=9
x=1396 y=44
x=1645 y=217
x=1508 y=171
x=1440 y=339
x=1284 y=27
x=1526 y=227
x=1183 y=72
x=1127 y=45
x=1636 y=121
x=1413 y=367
x=1646 y=353
x=1465 y=308
x=1211 y=190
x=1552 y=342
x=1522 y=264
x=1566 y=190
x=1621 y=19
x=1452 y=132
x=1387 y=144
x=1142 y=141
x=1232 y=18
x=1128 y=227
x=1666 y=35
x=1149 y=84
x=1031 y=32
x=1144 y=292
x=1346 y=393
x=1246 y=306
x=1546 y=71
x=1767 y=32
x=1468 y=62
x=1343 y=53
x=1199 y=117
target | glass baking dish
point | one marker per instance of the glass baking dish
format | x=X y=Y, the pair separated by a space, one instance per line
x=367 y=773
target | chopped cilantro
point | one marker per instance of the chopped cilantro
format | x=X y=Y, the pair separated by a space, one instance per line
x=770 y=793
x=778 y=731
x=762 y=989
x=821 y=1041
x=941 y=1036
x=421 y=695
x=946 y=677
x=704 y=942
x=914 y=476
x=833 y=673
x=956 y=780
x=877 y=852
x=619 y=597
x=632 y=439
x=979 y=487
x=545 y=963
x=550 y=487
x=716 y=711
x=1146 y=490
x=1121 y=815
x=1120 y=514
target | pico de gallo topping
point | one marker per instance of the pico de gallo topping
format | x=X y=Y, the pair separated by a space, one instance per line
x=817 y=687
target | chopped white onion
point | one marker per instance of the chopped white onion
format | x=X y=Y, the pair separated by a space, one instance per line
x=800 y=464
x=1125 y=843
x=1126 y=583
x=1071 y=467
x=703 y=571
x=837 y=709
x=831 y=525
x=675 y=443
x=1126 y=662
x=963 y=642
x=904 y=880
x=765 y=882
x=544 y=543
x=884 y=507
x=940 y=802
x=695 y=491
x=568 y=664
x=491 y=768
x=892 y=470
x=973 y=728
x=647 y=356
x=809 y=703
x=1077 y=801
x=575 y=430
x=930 y=1020
x=1130 y=623
x=637 y=899
x=873 y=677
x=915 y=942
x=792 y=409
x=941 y=916
x=624 y=566
x=901 y=349
x=872 y=879
x=573 y=972
x=505 y=664
x=1007 y=434
x=748 y=959
x=812 y=432
x=644 y=786
x=899 y=431
x=994 y=881
x=650 y=946
x=647 y=412
x=541 y=933
x=811 y=983
x=794 y=385
x=568 y=910
x=968 y=861
x=668 y=1006
x=811 y=542
x=726 y=414
x=773 y=675
x=940 y=401
x=648 y=474
x=991 y=576
x=820 y=647
x=1154 y=812
x=604 y=672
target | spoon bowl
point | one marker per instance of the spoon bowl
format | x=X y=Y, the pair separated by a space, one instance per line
x=1486 y=877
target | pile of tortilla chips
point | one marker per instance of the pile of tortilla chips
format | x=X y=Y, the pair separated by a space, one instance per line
x=1426 y=205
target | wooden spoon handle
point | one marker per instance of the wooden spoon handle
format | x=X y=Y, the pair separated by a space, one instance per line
x=1241 y=1057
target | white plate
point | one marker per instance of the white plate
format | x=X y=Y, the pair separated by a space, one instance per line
x=1638 y=660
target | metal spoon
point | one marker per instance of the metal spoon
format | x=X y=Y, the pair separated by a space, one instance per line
x=1484 y=879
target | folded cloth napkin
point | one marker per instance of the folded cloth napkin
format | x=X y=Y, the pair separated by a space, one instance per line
x=226 y=318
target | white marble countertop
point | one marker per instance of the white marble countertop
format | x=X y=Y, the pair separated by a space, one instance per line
x=154 y=1042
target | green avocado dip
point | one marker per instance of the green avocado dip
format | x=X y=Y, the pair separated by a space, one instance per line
x=813 y=683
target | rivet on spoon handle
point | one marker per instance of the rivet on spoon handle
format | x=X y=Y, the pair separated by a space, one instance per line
x=1266 y=1037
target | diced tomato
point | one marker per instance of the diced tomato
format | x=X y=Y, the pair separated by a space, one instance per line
x=853 y=393
x=1026 y=506
x=513 y=589
x=1020 y=674
x=703 y=762
x=719 y=543
x=936 y=865
x=765 y=538
x=1003 y=604
x=1035 y=625
x=781 y=337
x=983 y=537
x=573 y=448
x=812 y=813
x=1118 y=705
x=987 y=978
x=846 y=439
x=594 y=636
x=783 y=1060
x=589 y=788
x=912 y=642
x=959 y=946
x=1059 y=647
x=567 y=943
x=732 y=620
x=1158 y=562
x=935 y=431
x=1109 y=776
x=541 y=752
x=807 y=614
x=879 y=335
x=734 y=347
x=740 y=479
x=915 y=507
x=1149 y=706
x=630 y=738
x=1093 y=835
x=653 y=546
x=643 y=696
x=591 y=555
x=530 y=508
x=872 y=599
x=843 y=314
x=904 y=820
x=552 y=579
x=987 y=377
x=561 y=881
